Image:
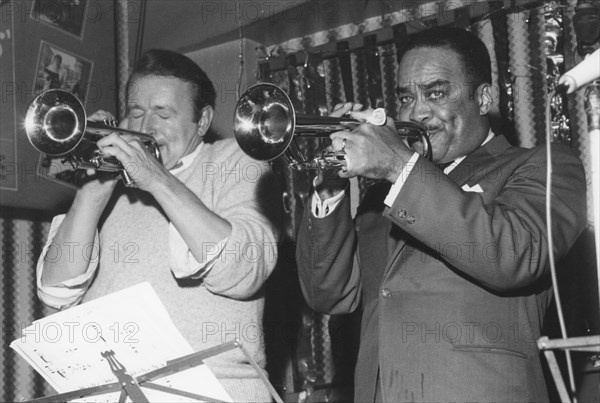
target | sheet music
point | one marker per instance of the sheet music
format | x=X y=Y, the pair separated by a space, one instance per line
x=65 y=348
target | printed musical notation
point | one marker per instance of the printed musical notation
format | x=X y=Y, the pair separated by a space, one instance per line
x=66 y=348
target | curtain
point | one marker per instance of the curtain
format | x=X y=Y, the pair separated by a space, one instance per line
x=22 y=240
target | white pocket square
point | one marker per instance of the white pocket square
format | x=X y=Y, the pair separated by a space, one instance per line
x=476 y=188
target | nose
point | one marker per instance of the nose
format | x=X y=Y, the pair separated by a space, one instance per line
x=420 y=112
x=147 y=125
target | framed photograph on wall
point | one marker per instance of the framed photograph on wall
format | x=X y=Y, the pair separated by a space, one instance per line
x=58 y=69
x=66 y=15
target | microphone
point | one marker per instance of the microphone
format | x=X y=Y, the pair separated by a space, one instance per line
x=585 y=72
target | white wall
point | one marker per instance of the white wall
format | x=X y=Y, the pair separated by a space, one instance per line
x=222 y=65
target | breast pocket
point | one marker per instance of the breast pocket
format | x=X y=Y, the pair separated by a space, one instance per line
x=467 y=348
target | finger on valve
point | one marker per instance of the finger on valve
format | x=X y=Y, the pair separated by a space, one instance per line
x=347 y=108
x=101 y=115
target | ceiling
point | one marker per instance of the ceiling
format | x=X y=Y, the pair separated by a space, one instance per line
x=188 y=25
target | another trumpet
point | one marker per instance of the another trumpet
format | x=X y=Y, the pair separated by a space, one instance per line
x=266 y=123
x=56 y=124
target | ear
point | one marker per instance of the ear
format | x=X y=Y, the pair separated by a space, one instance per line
x=484 y=98
x=206 y=118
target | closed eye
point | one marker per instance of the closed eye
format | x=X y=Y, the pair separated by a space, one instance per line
x=164 y=111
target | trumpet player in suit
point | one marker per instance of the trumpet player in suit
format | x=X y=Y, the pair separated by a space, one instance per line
x=193 y=226
x=447 y=259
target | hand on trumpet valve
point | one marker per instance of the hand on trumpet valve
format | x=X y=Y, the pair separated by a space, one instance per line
x=99 y=116
x=346 y=109
x=372 y=149
x=377 y=117
x=340 y=110
x=328 y=183
x=99 y=183
x=141 y=167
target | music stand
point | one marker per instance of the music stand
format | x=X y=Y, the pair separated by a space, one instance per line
x=132 y=386
x=589 y=344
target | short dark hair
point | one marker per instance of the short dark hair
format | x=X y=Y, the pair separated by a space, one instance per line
x=167 y=63
x=471 y=50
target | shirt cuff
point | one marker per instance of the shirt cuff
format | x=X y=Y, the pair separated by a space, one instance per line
x=322 y=208
x=69 y=292
x=182 y=262
x=397 y=187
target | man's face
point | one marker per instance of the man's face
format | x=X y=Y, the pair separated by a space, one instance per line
x=433 y=90
x=162 y=106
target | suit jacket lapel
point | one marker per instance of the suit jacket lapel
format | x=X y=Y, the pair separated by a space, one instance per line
x=479 y=162
x=469 y=171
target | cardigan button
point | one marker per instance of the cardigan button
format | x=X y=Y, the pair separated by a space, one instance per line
x=386 y=293
x=410 y=219
x=402 y=213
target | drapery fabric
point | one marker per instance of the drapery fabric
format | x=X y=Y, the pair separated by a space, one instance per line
x=22 y=241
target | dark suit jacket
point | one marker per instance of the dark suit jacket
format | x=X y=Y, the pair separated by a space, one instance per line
x=453 y=282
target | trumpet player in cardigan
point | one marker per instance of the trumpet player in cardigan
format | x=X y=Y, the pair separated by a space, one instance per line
x=194 y=226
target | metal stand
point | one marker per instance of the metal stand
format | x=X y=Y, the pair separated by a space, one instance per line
x=592 y=109
x=132 y=387
x=589 y=344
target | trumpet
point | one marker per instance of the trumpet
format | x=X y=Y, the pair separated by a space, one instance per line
x=265 y=125
x=56 y=124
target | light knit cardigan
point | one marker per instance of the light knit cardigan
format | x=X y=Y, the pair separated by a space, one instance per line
x=228 y=303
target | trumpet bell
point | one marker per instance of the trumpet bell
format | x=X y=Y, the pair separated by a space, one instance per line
x=55 y=122
x=265 y=125
x=264 y=122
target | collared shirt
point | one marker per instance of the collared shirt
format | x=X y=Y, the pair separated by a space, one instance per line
x=322 y=208
x=181 y=261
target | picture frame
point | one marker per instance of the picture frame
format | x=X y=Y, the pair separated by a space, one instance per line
x=68 y=16
x=57 y=68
